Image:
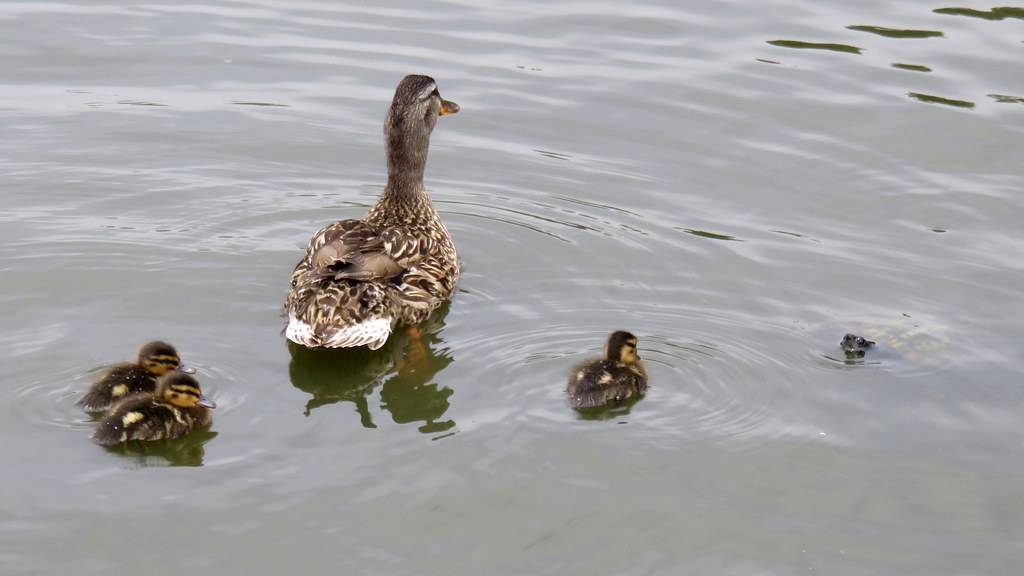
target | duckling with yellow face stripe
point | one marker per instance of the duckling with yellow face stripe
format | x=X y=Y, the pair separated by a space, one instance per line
x=617 y=376
x=121 y=380
x=176 y=407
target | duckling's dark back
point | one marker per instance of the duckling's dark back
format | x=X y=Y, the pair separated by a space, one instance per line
x=597 y=382
x=116 y=383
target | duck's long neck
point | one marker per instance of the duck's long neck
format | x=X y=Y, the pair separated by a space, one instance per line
x=406 y=156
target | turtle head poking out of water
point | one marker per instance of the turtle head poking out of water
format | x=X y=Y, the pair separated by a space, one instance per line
x=855 y=346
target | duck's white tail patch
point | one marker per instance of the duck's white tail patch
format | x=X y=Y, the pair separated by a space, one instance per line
x=300 y=332
x=372 y=333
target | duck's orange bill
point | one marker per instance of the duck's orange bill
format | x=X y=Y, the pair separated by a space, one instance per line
x=448 y=107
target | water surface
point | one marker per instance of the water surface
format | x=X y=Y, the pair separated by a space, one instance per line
x=732 y=183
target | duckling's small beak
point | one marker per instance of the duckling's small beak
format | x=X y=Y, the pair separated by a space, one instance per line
x=448 y=107
x=186 y=369
x=204 y=401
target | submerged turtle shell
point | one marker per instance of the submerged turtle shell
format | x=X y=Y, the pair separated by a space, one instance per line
x=880 y=343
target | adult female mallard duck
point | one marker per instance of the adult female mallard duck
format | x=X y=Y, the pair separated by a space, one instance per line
x=360 y=278
x=120 y=380
x=176 y=407
x=617 y=376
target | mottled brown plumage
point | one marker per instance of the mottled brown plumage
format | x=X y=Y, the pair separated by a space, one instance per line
x=360 y=278
x=176 y=407
x=123 y=379
x=617 y=376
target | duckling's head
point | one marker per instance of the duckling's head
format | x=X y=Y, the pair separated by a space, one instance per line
x=411 y=119
x=621 y=347
x=160 y=358
x=182 y=390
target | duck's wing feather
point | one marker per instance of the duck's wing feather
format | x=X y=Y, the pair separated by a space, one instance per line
x=354 y=250
x=339 y=295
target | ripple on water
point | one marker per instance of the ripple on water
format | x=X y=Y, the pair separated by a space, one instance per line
x=590 y=267
x=721 y=386
x=48 y=384
x=47 y=399
x=52 y=402
x=707 y=373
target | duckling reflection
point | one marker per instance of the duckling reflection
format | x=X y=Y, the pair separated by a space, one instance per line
x=619 y=376
x=608 y=411
x=187 y=450
x=403 y=368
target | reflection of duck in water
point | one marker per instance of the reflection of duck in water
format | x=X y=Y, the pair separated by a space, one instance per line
x=123 y=379
x=360 y=278
x=616 y=377
x=403 y=369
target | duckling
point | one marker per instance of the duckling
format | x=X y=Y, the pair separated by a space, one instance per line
x=120 y=380
x=360 y=278
x=176 y=407
x=619 y=375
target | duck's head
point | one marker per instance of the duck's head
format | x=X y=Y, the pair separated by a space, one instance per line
x=182 y=390
x=411 y=119
x=621 y=347
x=160 y=358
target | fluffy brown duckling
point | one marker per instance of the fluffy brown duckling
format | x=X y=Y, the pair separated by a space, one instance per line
x=176 y=407
x=617 y=376
x=126 y=378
